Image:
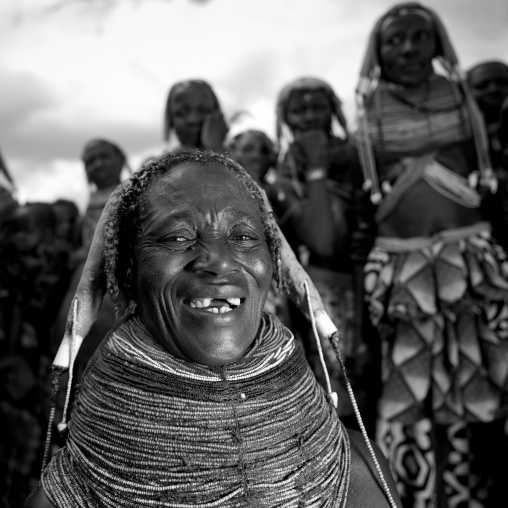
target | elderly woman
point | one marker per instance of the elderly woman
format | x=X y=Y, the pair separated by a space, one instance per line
x=193 y=117
x=103 y=162
x=197 y=397
x=435 y=279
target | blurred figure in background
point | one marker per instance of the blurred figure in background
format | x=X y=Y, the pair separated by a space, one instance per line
x=103 y=161
x=68 y=228
x=7 y=190
x=489 y=84
x=315 y=213
x=435 y=278
x=502 y=135
x=32 y=285
x=255 y=152
x=193 y=117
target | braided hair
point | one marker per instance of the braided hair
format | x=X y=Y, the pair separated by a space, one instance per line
x=122 y=226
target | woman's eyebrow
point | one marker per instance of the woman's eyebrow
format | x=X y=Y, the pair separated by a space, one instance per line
x=242 y=215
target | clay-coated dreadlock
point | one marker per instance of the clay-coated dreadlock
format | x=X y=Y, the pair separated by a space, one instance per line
x=121 y=230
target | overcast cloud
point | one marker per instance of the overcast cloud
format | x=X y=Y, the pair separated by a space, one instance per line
x=72 y=70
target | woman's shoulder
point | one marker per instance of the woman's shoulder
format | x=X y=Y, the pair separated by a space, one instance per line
x=365 y=487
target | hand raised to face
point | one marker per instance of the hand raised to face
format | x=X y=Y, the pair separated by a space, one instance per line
x=190 y=107
x=214 y=131
x=203 y=267
x=314 y=148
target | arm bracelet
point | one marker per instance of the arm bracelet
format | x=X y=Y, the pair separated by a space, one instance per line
x=315 y=174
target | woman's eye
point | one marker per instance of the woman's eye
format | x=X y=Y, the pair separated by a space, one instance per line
x=395 y=40
x=423 y=36
x=243 y=237
x=176 y=239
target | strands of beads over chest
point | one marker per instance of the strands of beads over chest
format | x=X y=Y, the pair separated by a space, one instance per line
x=256 y=433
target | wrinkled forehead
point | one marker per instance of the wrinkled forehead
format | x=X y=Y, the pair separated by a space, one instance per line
x=193 y=186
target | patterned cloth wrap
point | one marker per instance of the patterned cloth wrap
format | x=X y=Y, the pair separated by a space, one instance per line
x=149 y=429
x=440 y=304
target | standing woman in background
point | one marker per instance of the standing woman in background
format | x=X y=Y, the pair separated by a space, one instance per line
x=314 y=214
x=255 y=152
x=103 y=162
x=435 y=279
x=193 y=117
x=7 y=190
x=489 y=85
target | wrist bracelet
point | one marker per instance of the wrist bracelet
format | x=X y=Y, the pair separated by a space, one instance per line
x=315 y=174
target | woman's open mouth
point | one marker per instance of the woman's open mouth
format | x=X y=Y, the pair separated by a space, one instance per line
x=216 y=305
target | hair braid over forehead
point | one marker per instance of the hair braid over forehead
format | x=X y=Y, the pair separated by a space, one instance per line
x=122 y=227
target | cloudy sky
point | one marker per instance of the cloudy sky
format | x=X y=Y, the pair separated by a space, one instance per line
x=71 y=70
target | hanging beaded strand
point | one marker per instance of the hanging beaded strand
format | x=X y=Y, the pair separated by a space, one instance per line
x=331 y=396
x=56 y=373
x=62 y=426
x=335 y=340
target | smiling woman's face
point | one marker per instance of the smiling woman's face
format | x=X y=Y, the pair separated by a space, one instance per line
x=203 y=268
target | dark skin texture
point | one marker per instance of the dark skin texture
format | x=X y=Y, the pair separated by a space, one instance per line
x=202 y=238
x=103 y=165
x=201 y=241
x=309 y=115
x=407 y=47
x=196 y=120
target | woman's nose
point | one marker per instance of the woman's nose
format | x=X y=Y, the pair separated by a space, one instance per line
x=194 y=117
x=309 y=114
x=216 y=258
x=408 y=46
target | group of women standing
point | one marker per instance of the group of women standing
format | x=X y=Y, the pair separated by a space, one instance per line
x=392 y=222
x=395 y=221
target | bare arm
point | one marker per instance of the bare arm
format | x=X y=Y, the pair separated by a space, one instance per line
x=365 y=486
x=38 y=499
x=316 y=227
